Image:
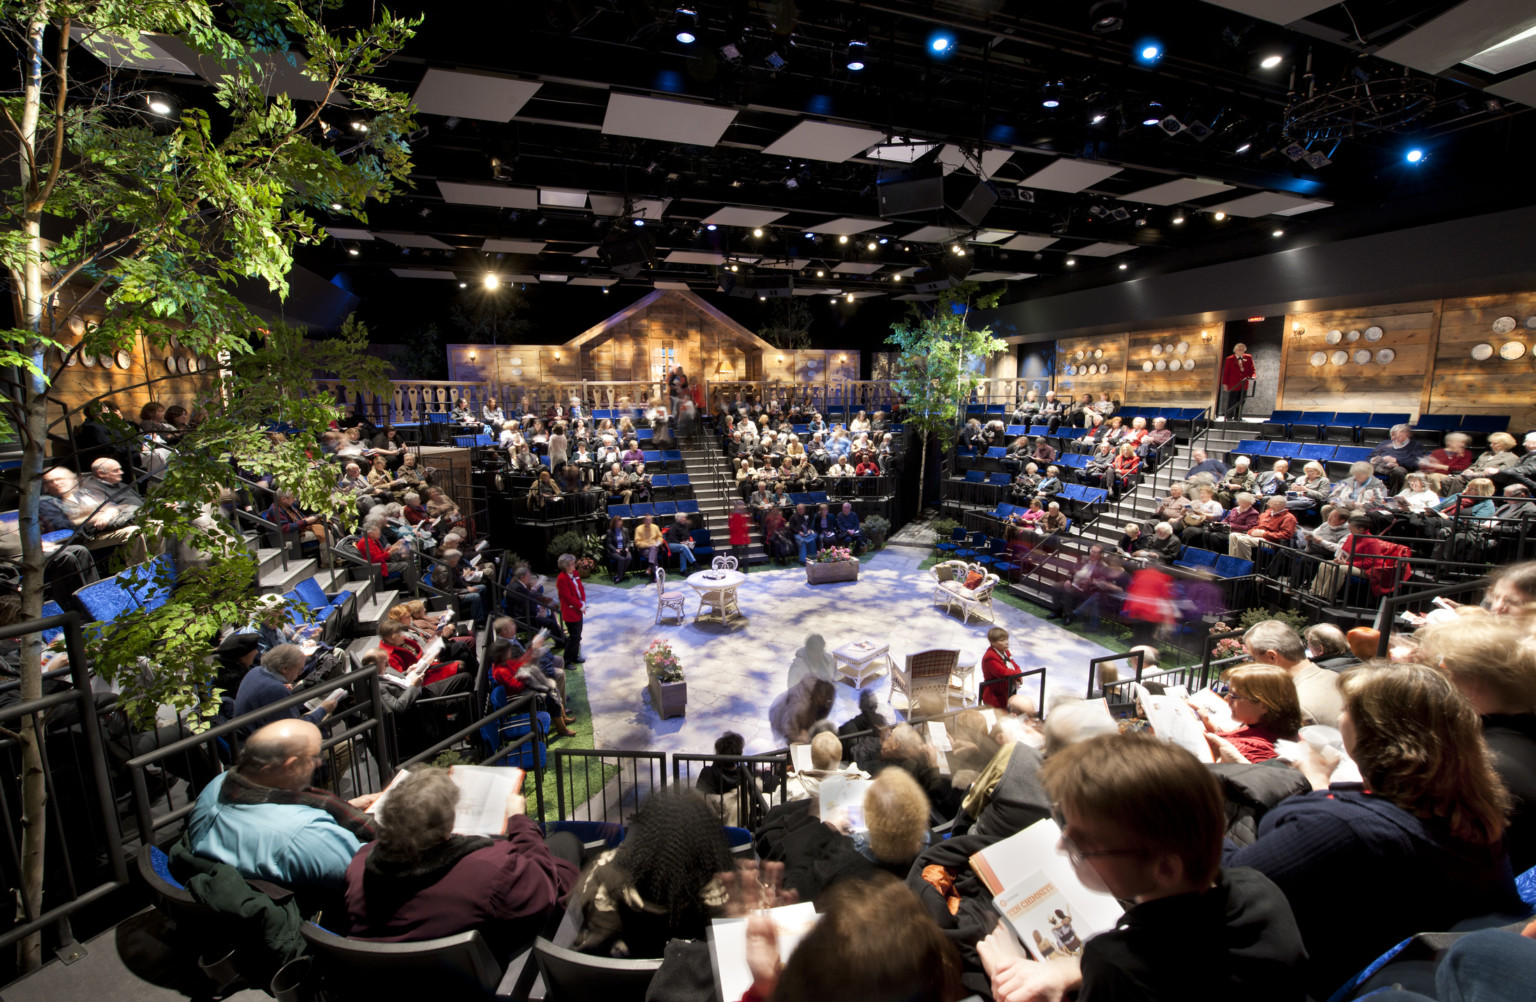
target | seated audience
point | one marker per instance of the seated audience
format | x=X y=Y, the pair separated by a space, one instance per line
x=462 y=582
x=527 y=601
x=1203 y=467
x=420 y=881
x=394 y=560
x=1273 y=642
x=1398 y=456
x=520 y=671
x=1327 y=647
x=67 y=504
x=662 y=883
x=1513 y=591
x=1418 y=844
x=1357 y=492
x=1275 y=527
x=731 y=789
x=1217 y=535
x=679 y=537
x=1239 y=480
x=265 y=819
x=1263 y=700
x=849 y=532
x=280 y=669
x=1143 y=820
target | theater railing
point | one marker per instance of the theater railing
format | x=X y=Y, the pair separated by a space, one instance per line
x=1394 y=605
x=83 y=859
x=769 y=772
x=604 y=785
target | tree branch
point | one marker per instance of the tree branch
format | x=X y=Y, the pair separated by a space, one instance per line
x=61 y=72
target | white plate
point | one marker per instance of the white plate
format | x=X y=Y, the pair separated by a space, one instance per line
x=124 y=359
x=1157 y=349
x=1080 y=356
x=1339 y=357
x=77 y=325
x=1511 y=350
x=1071 y=370
x=1334 y=337
x=1385 y=355
x=1189 y=363
x=1168 y=349
x=1504 y=325
x=181 y=363
x=1362 y=356
x=105 y=360
x=202 y=365
x=1098 y=353
x=1373 y=333
x=1530 y=322
x=1354 y=335
x=175 y=341
x=1482 y=352
x=1161 y=365
x=89 y=361
x=1319 y=358
x=1146 y=367
x=1182 y=348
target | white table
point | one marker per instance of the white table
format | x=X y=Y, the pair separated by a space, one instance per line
x=858 y=661
x=718 y=589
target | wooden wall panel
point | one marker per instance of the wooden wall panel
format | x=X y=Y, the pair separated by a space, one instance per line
x=1397 y=386
x=1114 y=347
x=1461 y=384
x=77 y=384
x=1183 y=388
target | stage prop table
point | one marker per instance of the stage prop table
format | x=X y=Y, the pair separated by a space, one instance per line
x=717 y=589
x=861 y=660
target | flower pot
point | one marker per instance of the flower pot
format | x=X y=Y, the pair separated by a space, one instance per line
x=669 y=699
x=842 y=570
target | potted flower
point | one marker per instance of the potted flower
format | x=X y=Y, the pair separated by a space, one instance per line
x=835 y=563
x=669 y=692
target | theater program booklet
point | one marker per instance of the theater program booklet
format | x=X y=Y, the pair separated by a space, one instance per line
x=483 y=793
x=843 y=794
x=1038 y=893
x=728 y=944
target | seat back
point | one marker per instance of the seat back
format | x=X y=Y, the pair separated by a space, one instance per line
x=155 y=581
x=1232 y=567
x=458 y=966
x=577 y=977
x=1194 y=556
x=106 y=600
x=310 y=594
x=932 y=664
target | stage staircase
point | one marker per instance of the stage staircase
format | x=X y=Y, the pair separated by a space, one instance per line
x=714 y=485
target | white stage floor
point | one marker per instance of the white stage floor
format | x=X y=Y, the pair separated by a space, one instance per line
x=735 y=674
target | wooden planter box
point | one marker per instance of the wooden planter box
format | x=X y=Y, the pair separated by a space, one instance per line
x=843 y=570
x=669 y=699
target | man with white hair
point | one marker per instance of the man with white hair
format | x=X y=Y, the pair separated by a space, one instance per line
x=1239 y=480
x=1275 y=481
x=1397 y=456
x=1272 y=642
x=1162 y=543
x=1275 y=527
x=1202 y=466
x=1523 y=472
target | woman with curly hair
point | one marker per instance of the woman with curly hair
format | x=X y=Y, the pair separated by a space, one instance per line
x=1418 y=845
x=662 y=883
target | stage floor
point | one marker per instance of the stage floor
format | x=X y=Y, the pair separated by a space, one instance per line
x=735 y=674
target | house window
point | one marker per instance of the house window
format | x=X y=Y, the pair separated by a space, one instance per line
x=664 y=359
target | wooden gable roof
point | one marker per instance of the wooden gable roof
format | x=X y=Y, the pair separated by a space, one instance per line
x=601 y=331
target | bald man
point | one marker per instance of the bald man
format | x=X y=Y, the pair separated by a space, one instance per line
x=265 y=819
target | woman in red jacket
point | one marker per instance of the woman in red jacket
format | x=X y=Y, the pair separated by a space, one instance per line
x=1237 y=372
x=997 y=662
x=573 y=603
x=741 y=534
x=404 y=652
x=1126 y=465
x=521 y=673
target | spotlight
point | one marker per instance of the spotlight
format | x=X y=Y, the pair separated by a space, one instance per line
x=941 y=43
x=810 y=236
x=1123 y=266
x=1220 y=216
x=639 y=222
x=1120 y=215
x=463 y=285
x=1097 y=118
x=605 y=290
x=735 y=267
x=871 y=245
x=1050 y=102
x=359 y=125
x=854 y=58
x=1148 y=52
x=1178 y=220
x=159 y=106
x=1278 y=233
x=1270 y=62
x=1245 y=148
x=884 y=241
x=335 y=206
x=896 y=277
x=956 y=248
x=1071 y=262
x=1171 y=125
x=1097 y=211
x=820 y=273
x=353 y=251
x=1414 y=156
x=1106 y=16
x=687 y=25
x=757 y=232
x=850 y=297
x=710 y=227
x=1150 y=121
x=492 y=281
x=843 y=239
x=762 y=299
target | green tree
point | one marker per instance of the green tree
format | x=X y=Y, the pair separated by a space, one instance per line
x=155 y=215
x=940 y=362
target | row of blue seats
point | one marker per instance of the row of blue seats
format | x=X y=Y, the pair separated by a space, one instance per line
x=667 y=508
x=1221 y=564
x=57 y=536
x=1482 y=424
x=1069 y=492
x=1171 y=413
x=1318 y=451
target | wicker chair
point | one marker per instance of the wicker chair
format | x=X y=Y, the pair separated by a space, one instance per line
x=942 y=572
x=671 y=604
x=972 y=601
x=925 y=671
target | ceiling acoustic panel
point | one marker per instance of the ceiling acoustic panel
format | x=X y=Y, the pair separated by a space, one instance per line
x=500 y=195
x=858 y=267
x=1170 y=192
x=423 y=273
x=793 y=264
x=1467 y=29
x=1104 y=249
x=933 y=234
x=735 y=215
x=595 y=281
x=1521 y=88
x=492 y=246
x=672 y=286
x=482 y=96
x=1028 y=242
x=998 y=276
x=1265 y=203
x=847 y=226
x=1276 y=11
x=695 y=257
x=1069 y=175
x=954 y=158
x=666 y=120
x=824 y=141
x=916 y=297
x=563 y=198
x=348 y=233
x=421 y=240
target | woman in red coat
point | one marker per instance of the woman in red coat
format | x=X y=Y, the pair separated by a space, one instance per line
x=1237 y=372
x=573 y=602
x=998 y=663
x=741 y=534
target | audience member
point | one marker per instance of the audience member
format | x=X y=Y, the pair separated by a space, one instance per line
x=274 y=680
x=573 y=607
x=679 y=536
x=1262 y=698
x=1275 y=527
x=1397 y=456
x=1273 y=642
x=997 y=664
x=520 y=672
x=1327 y=647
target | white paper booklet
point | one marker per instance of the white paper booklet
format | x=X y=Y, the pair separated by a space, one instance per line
x=1051 y=911
x=800 y=757
x=728 y=945
x=483 y=793
x=1221 y=713
x=1175 y=722
x=843 y=794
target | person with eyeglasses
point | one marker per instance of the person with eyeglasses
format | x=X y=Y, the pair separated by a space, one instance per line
x=1143 y=820
x=1263 y=701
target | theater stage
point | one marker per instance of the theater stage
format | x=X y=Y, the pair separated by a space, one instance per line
x=734 y=674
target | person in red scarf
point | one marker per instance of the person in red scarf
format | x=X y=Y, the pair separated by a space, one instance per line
x=1263 y=700
x=1237 y=371
x=521 y=674
x=998 y=663
x=573 y=604
x=404 y=653
x=393 y=559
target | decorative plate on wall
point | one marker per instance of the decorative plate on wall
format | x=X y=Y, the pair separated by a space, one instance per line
x=1385 y=355
x=1182 y=348
x=1161 y=365
x=76 y=325
x=89 y=361
x=1482 y=352
x=1530 y=322
x=124 y=359
x=202 y=365
x=1146 y=367
x=1339 y=357
x=1098 y=353
x=1157 y=349
x=515 y=361
x=175 y=341
x=1354 y=335
x=181 y=363
x=1168 y=349
x=1373 y=333
x=517 y=372
x=105 y=360
x=1362 y=356
x=1504 y=325
x=1071 y=370
x=71 y=359
x=1319 y=358
x=170 y=363
x=1079 y=356
x=1511 y=350
x=1333 y=337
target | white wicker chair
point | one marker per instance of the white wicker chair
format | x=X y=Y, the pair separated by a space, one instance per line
x=942 y=572
x=672 y=604
x=972 y=601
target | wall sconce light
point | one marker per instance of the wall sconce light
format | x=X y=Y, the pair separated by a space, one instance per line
x=471 y=356
x=557 y=356
x=842 y=358
x=1205 y=337
x=1297 y=330
x=781 y=358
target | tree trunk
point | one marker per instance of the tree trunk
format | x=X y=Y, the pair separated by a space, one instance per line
x=34 y=438
x=922 y=472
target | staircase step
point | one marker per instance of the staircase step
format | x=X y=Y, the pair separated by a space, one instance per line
x=277 y=581
x=369 y=614
x=268 y=558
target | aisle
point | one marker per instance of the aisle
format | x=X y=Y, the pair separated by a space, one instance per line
x=734 y=675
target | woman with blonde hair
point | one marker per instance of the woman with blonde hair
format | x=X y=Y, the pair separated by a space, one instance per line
x=1417 y=845
x=1263 y=700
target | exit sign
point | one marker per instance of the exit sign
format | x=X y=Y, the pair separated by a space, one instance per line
x=1256 y=320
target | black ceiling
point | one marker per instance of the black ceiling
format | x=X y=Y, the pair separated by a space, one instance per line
x=786 y=65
